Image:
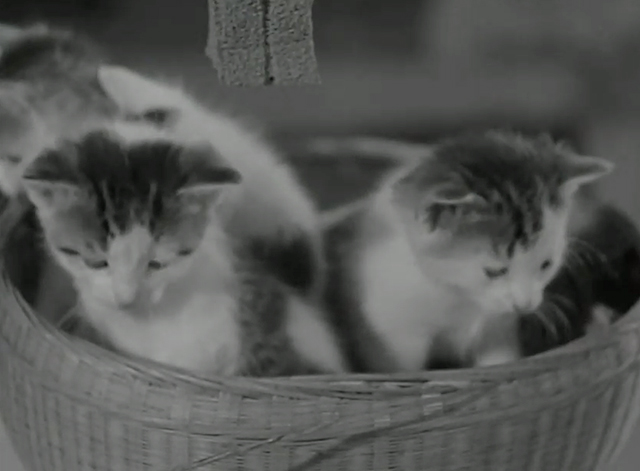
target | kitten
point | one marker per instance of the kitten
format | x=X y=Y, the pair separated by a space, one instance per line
x=60 y=67
x=130 y=213
x=598 y=283
x=437 y=265
x=23 y=135
x=49 y=88
x=272 y=214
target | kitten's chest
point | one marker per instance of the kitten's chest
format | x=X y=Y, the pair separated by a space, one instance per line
x=203 y=336
x=403 y=307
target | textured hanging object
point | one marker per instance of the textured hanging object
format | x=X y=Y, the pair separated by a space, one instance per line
x=262 y=42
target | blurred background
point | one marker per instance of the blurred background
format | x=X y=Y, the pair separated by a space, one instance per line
x=417 y=69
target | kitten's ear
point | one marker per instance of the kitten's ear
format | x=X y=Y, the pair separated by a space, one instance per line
x=132 y=92
x=585 y=169
x=428 y=184
x=50 y=182
x=207 y=174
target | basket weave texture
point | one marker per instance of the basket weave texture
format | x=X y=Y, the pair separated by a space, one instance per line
x=70 y=406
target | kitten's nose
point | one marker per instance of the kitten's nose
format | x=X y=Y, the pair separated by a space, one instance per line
x=527 y=305
x=125 y=294
x=525 y=299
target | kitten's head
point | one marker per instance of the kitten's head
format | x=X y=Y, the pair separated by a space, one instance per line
x=126 y=216
x=487 y=215
x=40 y=52
x=23 y=135
x=60 y=67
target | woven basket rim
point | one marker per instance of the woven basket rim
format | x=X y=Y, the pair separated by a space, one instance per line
x=160 y=397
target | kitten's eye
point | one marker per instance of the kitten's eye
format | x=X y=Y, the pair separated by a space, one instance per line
x=156 y=265
x=68 y=251
x=493 y=273
x=97 y=264
x=545 y=265
x=185 y=252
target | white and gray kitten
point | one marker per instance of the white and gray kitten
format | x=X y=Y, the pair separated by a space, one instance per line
x=598 y=283
x=130 y=213
x=68 y=88
x=438 y=265
x=272 y=213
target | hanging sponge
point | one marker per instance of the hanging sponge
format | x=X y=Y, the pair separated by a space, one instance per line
x=262 y=42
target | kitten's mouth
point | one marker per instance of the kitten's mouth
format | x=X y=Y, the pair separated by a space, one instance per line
x=156 y=295
x=521 y=310
x=142 y=303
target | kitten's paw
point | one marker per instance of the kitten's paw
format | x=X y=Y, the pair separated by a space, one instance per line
x=496 y=357
x=601 y=319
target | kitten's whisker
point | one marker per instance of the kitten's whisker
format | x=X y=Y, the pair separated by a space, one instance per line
x=66 y=317
x=586 y=257
x=580 y=260
x=587 y=248
x=596 y=261
x=574 y=261
x=560 y=297
x=562 y=319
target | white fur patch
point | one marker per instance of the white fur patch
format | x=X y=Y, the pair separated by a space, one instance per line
x=203 y=337
x=312 y=338
x=601 y=319
x=402 y=307
x=193 y=326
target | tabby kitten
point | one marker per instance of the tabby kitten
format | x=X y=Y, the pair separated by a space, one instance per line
x=272 y=214
x=131 y=214
x=52 y=75
x=438 y=265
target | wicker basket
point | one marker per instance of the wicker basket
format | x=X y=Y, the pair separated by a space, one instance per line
x=68 y=405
